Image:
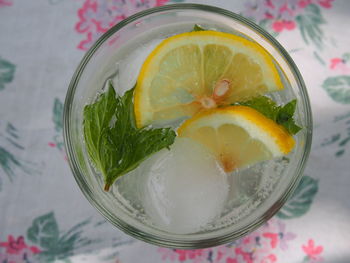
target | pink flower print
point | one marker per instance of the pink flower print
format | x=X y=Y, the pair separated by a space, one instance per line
x=284 y=237
x=286 y=12
x=220 y=254
x=325 y=3
x=304 y=3
x=257 y=247
x=281 y=10
x=335 y=62
x=161 y=2
x=339 y=64
x=258 y=243
x=247 y=257
x=196 y=255
x=17 y=251
x=167 y=253
x=251 y=243
x=96 y=17
x=280 y=25
x=5 y=3
x=281 y=15
x=52 y=144
x=312 y=252
x=231 y=260
x=269 y=259
x=15 y=246
x=273 y=237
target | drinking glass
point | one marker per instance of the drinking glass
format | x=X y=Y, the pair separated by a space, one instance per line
x=273 y=181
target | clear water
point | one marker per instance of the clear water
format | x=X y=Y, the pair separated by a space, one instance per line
x=184 y=191
x=180 y=190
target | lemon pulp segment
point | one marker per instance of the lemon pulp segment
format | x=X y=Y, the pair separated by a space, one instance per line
x=192 y=71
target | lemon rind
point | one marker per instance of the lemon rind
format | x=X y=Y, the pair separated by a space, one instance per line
x=200 y=38
x=259 y=127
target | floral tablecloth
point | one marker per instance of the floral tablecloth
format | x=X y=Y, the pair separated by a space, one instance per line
x=44 y=216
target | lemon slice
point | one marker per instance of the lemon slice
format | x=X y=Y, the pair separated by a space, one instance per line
x=238 y=136
x=199 y=70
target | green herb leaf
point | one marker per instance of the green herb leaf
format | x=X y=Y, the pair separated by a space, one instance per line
x=290 y=126
x=114 y=144
x=283 y=115
x=286 y=112
x=264 y=105
x=97 y=118
x=198 y=28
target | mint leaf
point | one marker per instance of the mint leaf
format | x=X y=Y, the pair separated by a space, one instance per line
x=264 y=105
x=286 y=112
x=198 y=28
x=283 y=115
x=290 y=126
x=97 y=118
x=140 y=145
x=115 y=145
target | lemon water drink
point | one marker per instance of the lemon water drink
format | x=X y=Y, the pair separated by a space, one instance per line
x=193 y=132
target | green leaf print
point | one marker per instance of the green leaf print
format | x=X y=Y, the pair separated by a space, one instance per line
x=58 y=114
x=299 y=203
x=319 y=58
x=334 y=138
x=338 y=88
x=309 y=24
x=7 y=71
x=9 y=147
x=12 y=136
x=341 y=138
x=8 y=162
x=346 y=57
x=44 y=231
x=57 y=118
x=54 y=244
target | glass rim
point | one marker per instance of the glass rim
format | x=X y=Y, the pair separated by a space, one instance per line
x=188 y=243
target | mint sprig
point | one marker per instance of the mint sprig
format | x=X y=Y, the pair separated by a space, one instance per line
x=114 y=144
x=283 y=115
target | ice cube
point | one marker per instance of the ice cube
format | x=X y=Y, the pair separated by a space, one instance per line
x=129 y=67
x=184 y=189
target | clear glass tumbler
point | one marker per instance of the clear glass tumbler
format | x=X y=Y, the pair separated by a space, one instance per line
x=99 y=64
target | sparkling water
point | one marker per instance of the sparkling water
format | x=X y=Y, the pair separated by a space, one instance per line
x=183 y=190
